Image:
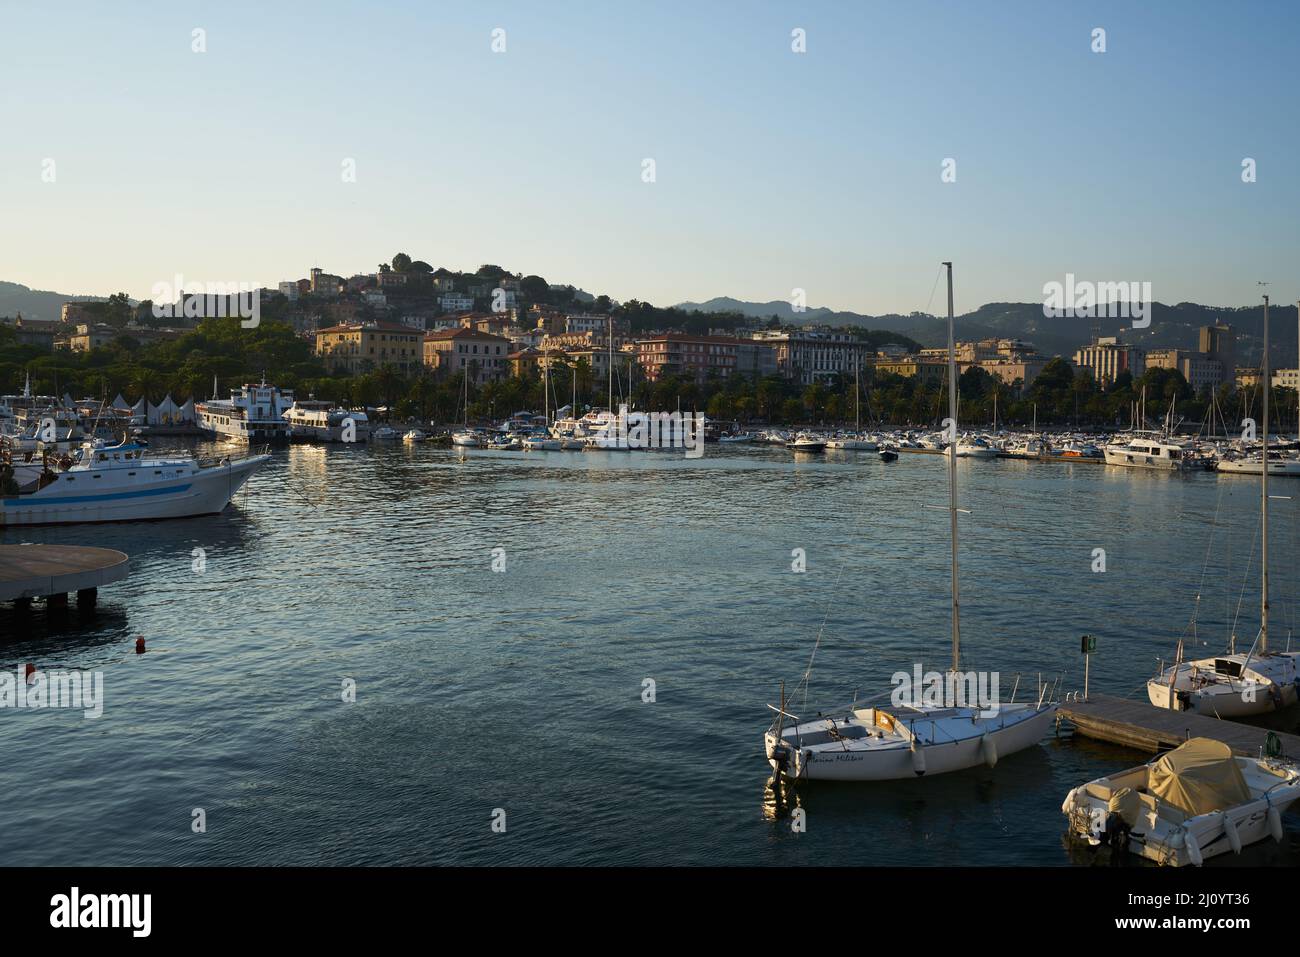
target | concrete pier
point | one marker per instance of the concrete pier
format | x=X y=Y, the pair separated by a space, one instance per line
x=52 y=571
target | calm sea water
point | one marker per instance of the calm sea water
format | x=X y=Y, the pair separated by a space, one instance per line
x=522 y=689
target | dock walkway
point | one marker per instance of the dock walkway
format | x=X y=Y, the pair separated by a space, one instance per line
x=52 y=571
x=1137 y=724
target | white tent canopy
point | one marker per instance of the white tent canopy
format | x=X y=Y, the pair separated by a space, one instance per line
x=121 y=403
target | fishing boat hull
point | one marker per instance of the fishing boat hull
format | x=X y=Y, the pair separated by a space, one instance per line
x=182 y=494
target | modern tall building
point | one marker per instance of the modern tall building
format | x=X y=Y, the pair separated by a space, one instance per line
x=1106 y=357
x=1219 y=342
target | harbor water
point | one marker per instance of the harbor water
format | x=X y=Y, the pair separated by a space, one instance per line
x=336 y=674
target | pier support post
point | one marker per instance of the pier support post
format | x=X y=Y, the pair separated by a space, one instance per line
x=57 y=602
x=22 y=605
x=87 y=599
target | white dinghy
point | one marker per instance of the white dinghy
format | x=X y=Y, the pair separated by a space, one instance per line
x=877 y=744
x=1190 y=804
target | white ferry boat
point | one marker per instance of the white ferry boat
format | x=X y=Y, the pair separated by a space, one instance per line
x=315 y=420
x=1151 y=450
x=253 y=413
x=119 y=483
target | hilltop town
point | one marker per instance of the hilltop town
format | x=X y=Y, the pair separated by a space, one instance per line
x=409 y=334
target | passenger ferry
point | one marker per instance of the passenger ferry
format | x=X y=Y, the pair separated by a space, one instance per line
x=253 y=413
x=118 y=483
x=315 y=420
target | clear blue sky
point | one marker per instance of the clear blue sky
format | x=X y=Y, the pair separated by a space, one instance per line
x=775 y=170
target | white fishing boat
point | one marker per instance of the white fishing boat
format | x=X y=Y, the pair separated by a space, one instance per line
x=1236 y=685
x=315 y=420
x=876 y=744
x=121 y=483
x=1186 y=806
x=254 y=413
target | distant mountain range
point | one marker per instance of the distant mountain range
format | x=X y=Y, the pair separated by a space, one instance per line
x=1172 y=327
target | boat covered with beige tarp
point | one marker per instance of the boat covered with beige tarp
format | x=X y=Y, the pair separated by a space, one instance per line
x=1192 y=803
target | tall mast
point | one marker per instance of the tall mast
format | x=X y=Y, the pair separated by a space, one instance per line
x=952 y=478
x=1263 y=487
x=857 y=396
x=611 y=363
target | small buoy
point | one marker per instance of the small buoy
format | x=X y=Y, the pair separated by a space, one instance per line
x=1230 y=829
x=1275 y=824
x=139 y=645
x=918 y=757
x=1193 y=849
x=31 y=670
x=989 y=750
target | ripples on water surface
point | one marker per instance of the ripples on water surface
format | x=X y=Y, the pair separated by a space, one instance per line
x=522 y=690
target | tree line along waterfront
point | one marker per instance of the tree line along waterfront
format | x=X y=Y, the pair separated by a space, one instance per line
x=1060 y=396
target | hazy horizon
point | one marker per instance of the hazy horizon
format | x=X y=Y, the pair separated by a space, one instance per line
x=774 y=170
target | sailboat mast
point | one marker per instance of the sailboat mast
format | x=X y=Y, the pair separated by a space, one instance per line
x=611 y=363
x=1263 y=487
x=952 y=477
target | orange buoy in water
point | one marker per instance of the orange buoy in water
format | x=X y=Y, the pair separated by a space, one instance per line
x=139 y=645
x=31 y=670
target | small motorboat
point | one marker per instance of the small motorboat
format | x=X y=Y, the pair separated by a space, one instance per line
x=738 y=438
x=1187 y=805
x=807 y=442
x=466 y=438
x=385 y=433
x=415 y=435
x=888 y=455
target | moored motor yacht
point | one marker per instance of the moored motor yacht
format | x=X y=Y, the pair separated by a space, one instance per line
x=807 y=442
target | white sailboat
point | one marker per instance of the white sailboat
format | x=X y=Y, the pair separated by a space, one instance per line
x=1236 y=685
x=854 y=442
x=877 y=744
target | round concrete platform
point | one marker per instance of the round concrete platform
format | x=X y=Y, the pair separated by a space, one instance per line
x=35 y=571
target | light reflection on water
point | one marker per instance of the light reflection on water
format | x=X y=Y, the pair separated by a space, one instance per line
x=522 y=690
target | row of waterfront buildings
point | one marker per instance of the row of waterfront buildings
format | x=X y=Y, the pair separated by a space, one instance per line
x=1213 y=363
x=515 y=339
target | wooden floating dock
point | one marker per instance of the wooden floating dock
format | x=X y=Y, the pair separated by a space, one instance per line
x=53 y=571
x=1136 y=724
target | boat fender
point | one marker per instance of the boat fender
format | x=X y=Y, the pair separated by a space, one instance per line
x=918 y=758
x=1230 y=829
x=1275 y=824
x=1193 y=848
x=989 y=750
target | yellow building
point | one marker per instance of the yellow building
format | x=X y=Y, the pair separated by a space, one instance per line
x=364 y=347
x=482 y=354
